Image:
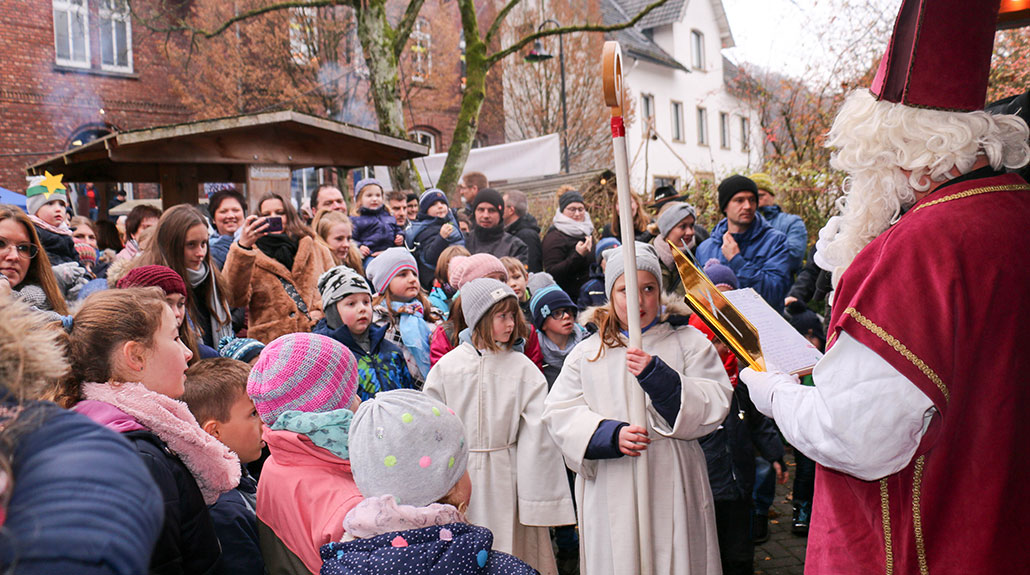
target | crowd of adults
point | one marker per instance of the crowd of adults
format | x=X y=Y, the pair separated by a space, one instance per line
x=238 y=281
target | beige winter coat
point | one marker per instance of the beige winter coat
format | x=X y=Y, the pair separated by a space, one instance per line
x=252 y=280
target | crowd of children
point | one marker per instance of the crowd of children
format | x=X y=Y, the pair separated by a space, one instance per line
x=428 y=410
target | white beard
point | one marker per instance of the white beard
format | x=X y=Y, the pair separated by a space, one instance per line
x=874 y=200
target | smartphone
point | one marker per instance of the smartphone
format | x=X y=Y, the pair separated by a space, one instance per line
x=275 y=224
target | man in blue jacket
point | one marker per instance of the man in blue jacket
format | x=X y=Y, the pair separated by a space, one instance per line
x=745 y=242
x=789 y=225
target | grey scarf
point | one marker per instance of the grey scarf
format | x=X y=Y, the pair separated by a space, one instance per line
x=571 y=227
x=221 y=324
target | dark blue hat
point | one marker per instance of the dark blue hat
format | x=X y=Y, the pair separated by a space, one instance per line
x=547 y=300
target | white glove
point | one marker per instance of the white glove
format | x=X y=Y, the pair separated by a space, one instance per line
x=761 y=385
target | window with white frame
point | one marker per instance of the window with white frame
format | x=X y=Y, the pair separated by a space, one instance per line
x=745 y=134
x=71 y=33
x=421 y=51
x=115 y=36
x=697 y=50
x=647 y=108
x=702 y=127
x=425 y=138
x=677 y=121
x=724 y=130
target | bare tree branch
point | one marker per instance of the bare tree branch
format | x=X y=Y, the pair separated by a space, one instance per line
x=403 y=30
x=498 y=56
x=501 y=16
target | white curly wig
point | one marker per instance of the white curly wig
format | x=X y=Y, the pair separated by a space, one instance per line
x=891 y=151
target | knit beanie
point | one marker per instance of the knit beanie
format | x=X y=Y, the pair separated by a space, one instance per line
x=367 y=182
x=153 y=276
x=672 y=215
x=239 y=348
x=478 y=296
x=647 y=260
x=430 y=197
x=720 y=274
x=549 y=299
x=387 y=265
x=407 y=444
x=538 y=281
x=570 y=197
x=467 y=268
x=733 y=185
x=87 y=253
x=338 y=283
x=490 y=196
x=42 y=190
x=603 y=245
x=763 y=182
x=302 y=372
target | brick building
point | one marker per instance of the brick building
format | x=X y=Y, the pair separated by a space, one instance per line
x=74 y=70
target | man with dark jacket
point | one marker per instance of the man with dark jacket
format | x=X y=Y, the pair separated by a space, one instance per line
x=521 y=224
x=488 y=235
x=746 y=243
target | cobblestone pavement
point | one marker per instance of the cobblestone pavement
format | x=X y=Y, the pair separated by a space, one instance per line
x=784 y=552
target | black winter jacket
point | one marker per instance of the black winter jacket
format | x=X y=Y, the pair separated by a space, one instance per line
x=59 y=248
x=730 y=449
x=569 y=269
x=498 y=242
x=188 y=543
x=527 y=229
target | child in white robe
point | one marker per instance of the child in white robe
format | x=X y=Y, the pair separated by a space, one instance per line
x=498 y=392
x=627 y=421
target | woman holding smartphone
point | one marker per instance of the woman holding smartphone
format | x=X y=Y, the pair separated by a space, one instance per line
x=273 y=268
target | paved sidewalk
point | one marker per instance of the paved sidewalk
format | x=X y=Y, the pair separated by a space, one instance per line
x=784 y=552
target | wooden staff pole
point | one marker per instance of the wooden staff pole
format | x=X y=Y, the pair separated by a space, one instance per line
x=613 y=98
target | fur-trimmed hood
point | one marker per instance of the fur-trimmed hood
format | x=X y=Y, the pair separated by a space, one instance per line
x=31 y=350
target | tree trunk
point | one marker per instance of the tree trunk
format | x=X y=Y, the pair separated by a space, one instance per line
x=376 y=38
x=476 y=68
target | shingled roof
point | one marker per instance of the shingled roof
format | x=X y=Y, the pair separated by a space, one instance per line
x=671 y=11
x=633 y=40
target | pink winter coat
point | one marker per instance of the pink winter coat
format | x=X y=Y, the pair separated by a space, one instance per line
x=439 y=345
x=303 y=494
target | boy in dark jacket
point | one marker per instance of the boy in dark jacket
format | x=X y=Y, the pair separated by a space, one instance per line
x=431 y=233
x=347 y=301
x=375 y=228
x=592 y=293
x=216 y=393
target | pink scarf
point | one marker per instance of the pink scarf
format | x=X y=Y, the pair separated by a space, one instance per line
x=64 y=231
x=214 y=466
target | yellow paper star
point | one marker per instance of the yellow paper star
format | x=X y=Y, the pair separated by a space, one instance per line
x=52 y=182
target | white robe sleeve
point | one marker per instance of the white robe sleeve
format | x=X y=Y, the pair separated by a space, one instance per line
x=863 y=417
x=543 y=487
x=569 y=419
x=705 y=390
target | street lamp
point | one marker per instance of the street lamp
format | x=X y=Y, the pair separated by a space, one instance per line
x=537 y=54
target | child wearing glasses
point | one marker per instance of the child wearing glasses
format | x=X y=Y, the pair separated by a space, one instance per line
x=554 y=316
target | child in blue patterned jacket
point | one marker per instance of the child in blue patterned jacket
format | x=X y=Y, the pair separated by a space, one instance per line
x=347 y=301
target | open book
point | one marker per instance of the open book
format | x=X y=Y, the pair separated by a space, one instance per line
x=783 y=347
x=759 y=336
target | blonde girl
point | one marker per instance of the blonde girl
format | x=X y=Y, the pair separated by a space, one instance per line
x=334 y=230
x=627 y=421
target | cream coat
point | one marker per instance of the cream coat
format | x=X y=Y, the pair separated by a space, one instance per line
x=668 y=483
x=519 y=485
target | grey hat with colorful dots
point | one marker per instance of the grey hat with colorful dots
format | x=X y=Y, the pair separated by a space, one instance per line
x=407 y=444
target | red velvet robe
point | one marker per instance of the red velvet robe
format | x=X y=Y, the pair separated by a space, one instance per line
x=944 y=297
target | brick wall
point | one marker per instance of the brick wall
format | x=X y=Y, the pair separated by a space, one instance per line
x=42 y=104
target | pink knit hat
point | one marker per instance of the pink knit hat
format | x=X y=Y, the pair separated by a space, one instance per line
x=465 y=269
x=302 y=372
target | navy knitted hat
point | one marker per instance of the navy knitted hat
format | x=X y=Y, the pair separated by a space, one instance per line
x=720 y=274
x=430 y=197
x=548 y=300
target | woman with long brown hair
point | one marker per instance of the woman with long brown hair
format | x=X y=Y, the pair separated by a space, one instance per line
x=24 y=264
x=179 y=241
x=274 y=269
x=640 y=222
